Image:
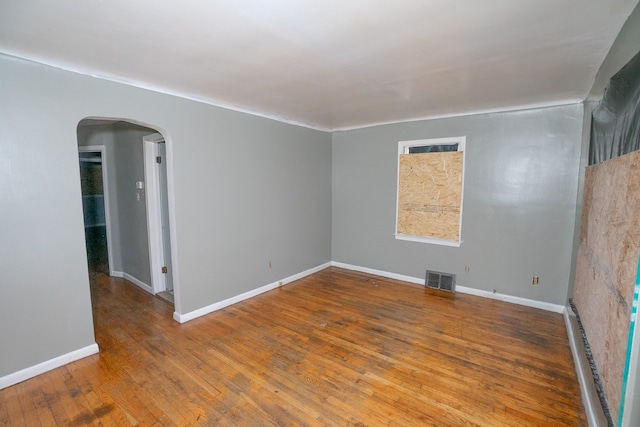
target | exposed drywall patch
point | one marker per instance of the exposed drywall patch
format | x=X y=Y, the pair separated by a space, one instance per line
x=607 y=264
x=430 y=191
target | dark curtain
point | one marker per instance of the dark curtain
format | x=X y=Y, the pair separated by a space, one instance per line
x=615 y=124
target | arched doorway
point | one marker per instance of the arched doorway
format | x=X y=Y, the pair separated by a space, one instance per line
x=127 y=216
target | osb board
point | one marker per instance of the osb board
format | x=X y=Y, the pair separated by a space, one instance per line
x=429 y=195
x=607 y=264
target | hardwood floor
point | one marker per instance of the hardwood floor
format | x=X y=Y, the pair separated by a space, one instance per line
x=336 y=348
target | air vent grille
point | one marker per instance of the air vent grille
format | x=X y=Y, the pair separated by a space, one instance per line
x=440 y=280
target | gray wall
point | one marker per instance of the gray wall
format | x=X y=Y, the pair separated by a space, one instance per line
x=521 y=179
x=246 y=191
x=132 y=209
x=587 y=109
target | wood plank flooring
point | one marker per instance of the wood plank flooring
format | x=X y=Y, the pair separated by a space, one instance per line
x=337 y=348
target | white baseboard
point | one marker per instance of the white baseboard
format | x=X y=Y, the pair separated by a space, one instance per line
x=133 y=280
x=590 y=400
x=182 y=318
x=462 y=289
x=41 y=368
x=547 y=306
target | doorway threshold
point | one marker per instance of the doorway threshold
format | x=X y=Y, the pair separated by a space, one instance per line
x=166 y=296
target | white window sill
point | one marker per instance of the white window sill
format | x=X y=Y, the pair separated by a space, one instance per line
x=419 y=239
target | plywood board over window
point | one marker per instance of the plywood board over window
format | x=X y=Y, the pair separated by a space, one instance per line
x=430 y=190
x=607 y=265
x=430 y=187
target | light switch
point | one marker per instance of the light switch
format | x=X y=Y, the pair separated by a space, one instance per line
x=140 y=185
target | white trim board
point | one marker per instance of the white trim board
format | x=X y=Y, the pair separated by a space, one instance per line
x=46 y=366
x=462 y=289
x=182 y=318
x=152 y=197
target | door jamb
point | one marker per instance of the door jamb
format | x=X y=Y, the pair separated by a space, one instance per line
x=153 y=211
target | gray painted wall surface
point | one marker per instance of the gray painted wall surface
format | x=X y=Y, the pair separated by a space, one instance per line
x=45 y=308
x=587 y=109
x=521 y=180
x=132 y=209
x=245 y=191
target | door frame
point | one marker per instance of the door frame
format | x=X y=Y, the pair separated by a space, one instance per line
x=102 y=149
x=154 y=222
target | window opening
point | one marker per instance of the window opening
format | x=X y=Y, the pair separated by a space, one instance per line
x=430 y=188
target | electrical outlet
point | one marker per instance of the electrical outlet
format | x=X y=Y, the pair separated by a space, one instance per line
x=535 y=280
x=466 y=269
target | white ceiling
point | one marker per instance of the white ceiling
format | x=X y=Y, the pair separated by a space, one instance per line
x=329 y=64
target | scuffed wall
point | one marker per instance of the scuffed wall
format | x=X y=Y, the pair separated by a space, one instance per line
x=607 y=264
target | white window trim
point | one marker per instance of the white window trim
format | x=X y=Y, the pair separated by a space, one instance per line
x=403 y=148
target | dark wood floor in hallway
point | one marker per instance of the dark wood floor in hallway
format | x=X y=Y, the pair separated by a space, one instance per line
x=337 y=348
